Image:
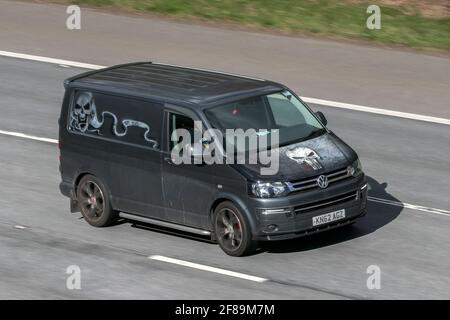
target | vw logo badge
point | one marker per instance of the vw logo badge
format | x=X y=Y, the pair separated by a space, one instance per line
x=322 y=181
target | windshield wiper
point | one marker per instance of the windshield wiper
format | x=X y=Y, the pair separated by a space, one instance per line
x=312 y=134
x=315 y=133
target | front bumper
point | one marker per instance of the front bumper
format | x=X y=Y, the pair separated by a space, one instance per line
x=292 y=216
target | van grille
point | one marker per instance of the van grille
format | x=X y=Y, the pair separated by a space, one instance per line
x=312 y=183
x=335 y=200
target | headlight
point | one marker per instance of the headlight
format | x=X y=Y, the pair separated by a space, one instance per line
x=269 y=189
x=356 y=168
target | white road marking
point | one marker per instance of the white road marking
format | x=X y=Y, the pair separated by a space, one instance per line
x=50 y=60
x=207 y=268
x=20 y=227
x=410 y=206
x=328 y=103
x=384 y=112
x=26 y=136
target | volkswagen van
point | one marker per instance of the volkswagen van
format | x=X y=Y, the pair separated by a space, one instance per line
x=117 y=136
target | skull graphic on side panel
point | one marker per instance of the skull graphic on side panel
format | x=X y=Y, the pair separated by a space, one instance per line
x=83 y=112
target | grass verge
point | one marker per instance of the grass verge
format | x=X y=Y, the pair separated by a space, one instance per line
x=399 y=24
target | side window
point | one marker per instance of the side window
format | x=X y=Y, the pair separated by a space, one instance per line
x=119 y=118
x=178 y=121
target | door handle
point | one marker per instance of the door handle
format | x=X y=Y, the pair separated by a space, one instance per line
x=169 y=160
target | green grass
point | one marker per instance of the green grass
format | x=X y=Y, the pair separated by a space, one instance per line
x=325 y=17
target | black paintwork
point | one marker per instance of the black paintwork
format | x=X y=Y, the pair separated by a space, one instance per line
x=335 y=154
x=142 y=180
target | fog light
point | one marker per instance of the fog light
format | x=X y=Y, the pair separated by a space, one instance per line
x=271 y=228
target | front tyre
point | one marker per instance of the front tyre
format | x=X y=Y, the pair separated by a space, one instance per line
x=232 y=230
x=94 y=204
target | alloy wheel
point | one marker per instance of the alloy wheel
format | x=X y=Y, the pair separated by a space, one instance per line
x=92 y=202
x=229 y=229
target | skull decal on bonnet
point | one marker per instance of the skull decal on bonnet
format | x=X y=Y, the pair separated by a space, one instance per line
x=305 y=156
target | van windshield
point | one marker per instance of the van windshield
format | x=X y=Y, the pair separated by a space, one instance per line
x=280 y=111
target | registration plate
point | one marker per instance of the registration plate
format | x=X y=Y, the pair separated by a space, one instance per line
x=328 y=217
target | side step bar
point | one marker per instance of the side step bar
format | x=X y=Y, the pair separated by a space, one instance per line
x=164 y=224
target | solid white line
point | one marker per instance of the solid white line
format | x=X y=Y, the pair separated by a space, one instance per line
x=26 y=136
x=207 y=268
x=410 y=206
x=328 y=103
x=385 y=112
x=50 y=60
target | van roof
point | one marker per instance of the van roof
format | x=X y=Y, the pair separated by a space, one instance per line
x=173 y=84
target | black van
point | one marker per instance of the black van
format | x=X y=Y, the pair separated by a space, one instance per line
x=116 y=138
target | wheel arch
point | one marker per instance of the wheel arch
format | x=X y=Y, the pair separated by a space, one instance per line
x=78 y=178
x=239 y=203
x=84 y=172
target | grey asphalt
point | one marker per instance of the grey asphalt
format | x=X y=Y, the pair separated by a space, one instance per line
x=339 y=71
x=406 y=161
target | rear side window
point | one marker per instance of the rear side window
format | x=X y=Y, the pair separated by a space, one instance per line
x=118 y=118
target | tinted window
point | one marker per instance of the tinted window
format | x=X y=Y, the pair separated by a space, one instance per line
x=178 y=121
x=128 y=120
x=281 y=112
x=284 y=112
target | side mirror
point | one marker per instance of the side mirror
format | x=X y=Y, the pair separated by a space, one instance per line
x=322 y=118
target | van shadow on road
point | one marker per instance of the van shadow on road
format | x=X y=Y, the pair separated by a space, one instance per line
x=378 y=215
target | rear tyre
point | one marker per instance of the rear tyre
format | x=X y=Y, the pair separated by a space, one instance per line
x=93 y=201
x=232 y=230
